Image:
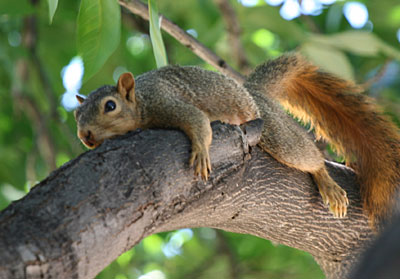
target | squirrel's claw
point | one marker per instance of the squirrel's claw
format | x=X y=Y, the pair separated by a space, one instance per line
x=336 y=198
x=332 y=194
x=200 y=159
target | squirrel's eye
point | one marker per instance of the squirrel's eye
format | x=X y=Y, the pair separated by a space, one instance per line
x=109 y=106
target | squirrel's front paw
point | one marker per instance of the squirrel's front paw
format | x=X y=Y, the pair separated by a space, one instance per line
x=200 y=159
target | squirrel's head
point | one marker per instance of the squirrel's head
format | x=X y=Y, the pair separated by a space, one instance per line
x=107 y=112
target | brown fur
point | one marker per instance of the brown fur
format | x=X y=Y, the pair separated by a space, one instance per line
x=349 y=120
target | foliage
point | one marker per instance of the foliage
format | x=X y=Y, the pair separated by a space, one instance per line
x=37 y=134
x=155 y=35
x=213 y=254
x=98 y=33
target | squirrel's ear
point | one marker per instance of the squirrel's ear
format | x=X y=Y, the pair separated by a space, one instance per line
x=126 y=86
x=80 y=99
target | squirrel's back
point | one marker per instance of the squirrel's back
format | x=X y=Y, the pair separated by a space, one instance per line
x=206 y=90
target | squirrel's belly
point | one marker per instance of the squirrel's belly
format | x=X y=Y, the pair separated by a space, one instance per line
x=234 y=119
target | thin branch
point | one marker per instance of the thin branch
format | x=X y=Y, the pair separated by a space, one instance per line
x=309 y=21
x=235 y=271
x=234 y=31
x=30 y=42
x=44 y=142
x=138 y=8
x=50 y=94
x=30 y=39
x=28 y=105
x=380 y=74
x=135 y=22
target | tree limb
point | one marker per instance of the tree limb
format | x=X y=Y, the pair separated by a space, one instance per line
x=88 y=212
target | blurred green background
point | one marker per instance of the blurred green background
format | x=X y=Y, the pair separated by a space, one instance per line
x=357 y=40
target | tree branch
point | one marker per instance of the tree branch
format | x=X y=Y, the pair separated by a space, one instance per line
x=138 y=8
x=378 y=76
x=110 y=198
x=233 y=29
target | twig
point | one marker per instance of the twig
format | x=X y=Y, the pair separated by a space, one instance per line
x=234 y=31
x=382 y=71
x=23 y=100
x=44 y=140
x=138 y=8
x=311 y=24
x=29 y=106
x=30 y=42
x=30 y=39
x=235 y=271
x=137 y=23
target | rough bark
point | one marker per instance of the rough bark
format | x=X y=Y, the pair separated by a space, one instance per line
x=85 y=214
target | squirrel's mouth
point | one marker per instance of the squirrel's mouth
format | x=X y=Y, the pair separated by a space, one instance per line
x=88 y=139
x=90 y=143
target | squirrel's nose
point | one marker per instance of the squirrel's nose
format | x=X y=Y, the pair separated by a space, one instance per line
x=87 y=138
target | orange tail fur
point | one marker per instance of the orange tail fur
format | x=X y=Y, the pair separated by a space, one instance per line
x=367 y=139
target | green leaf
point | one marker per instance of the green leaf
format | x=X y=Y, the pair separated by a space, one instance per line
x=329 y=58
x=20 y=7
x=52 y=9
x=264 y=38
x=268 y=17
x=358 y=42
x=155 y=35
x=153 y=244
x=394 y=16
x=61 y=159
x=99 y=30
x=125 y=258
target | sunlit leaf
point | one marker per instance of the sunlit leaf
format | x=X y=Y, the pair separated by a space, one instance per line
x=268 y=17
x=11 y=193
x=155 y=35
x=394 y=16
x=61 y=159
x=329 y=58
x=99 y=24
x=357 y=42
x=125 y=258
x=264 y=38
x=152 y=244
x=52 y=9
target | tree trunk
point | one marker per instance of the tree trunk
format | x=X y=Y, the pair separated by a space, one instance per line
x=97 y=206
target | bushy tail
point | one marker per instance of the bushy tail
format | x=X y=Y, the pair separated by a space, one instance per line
x=347 y=119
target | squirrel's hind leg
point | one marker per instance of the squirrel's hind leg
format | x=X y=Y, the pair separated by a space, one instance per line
x=288 y=143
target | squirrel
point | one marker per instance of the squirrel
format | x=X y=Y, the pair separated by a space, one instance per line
x=189 y=98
